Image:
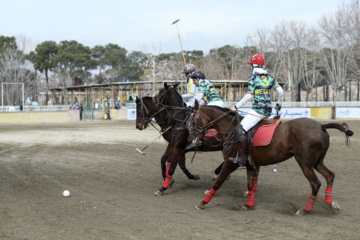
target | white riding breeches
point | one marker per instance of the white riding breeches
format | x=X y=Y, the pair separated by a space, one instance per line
x=217 y=103
x=251 y=119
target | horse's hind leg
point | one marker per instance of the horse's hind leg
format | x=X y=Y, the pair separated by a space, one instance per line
x=185 y=170
x=315 y=186
x=255 y=178
x=226 y=170
x=329 y=176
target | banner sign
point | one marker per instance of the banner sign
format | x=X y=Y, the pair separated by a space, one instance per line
x=347 y=112
x=286 y=112
x=131 y=114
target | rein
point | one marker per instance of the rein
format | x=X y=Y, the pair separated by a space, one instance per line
x=160 y=99
x=206 y=126
x=149 y=120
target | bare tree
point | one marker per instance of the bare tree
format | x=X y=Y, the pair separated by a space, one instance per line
x=62 y=78
x=337 y=36
x=14 y=69
x=311 y=61
x=152 y=70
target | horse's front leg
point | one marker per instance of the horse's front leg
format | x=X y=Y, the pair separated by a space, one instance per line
x=170 y=169
x=185 y=170
x=226 y=170
x=166 y=157
x=256 y=178
x=252 y=176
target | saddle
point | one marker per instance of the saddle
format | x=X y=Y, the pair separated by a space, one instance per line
x=262 y=133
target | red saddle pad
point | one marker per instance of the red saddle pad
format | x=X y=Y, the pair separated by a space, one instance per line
x=211 y=132
x=264 y=134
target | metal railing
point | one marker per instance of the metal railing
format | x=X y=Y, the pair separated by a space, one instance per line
x=39 y=108
x=43 y=108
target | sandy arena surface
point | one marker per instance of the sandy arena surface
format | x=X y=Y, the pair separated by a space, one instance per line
x=112 y=189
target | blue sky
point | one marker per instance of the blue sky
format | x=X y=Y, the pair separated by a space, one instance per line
x=133 y=24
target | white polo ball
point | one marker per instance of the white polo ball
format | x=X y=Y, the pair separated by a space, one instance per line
x=66 y=193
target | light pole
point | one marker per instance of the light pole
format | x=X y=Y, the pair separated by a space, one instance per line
x=175 y=22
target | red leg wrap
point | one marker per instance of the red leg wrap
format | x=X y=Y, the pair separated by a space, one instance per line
x=168 y=177
x=310 y=203
x=209 y=196
x=255 y=183
x=167 y=182
x=251 y=199
x=328 y=195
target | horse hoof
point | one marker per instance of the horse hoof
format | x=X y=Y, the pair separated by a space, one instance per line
x=335 y=206
x=196 y=177
x=246 y=193
x=159 y=193
x=301 y=212
x=246 y=207
x=199 y=207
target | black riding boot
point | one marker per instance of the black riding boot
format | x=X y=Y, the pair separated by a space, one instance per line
x=242 y=154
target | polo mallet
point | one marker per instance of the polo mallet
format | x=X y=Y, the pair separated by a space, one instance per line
x=141 y=151
x=175 y=22
x=275 y=165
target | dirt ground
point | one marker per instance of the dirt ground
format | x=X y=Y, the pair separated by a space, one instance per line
x=112 y=189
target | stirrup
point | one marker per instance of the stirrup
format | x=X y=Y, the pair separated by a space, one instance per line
x=238 y=160
x=193 y=145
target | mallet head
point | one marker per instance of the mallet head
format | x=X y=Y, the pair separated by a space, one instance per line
x=141 y=152
x=176 y=21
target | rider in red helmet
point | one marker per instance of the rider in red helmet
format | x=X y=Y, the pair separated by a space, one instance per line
x=260 y=85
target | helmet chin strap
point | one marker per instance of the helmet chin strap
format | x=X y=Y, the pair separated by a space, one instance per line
x=256 y=66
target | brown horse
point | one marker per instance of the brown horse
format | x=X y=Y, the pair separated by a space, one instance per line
x=146 y=110
x=304 y=139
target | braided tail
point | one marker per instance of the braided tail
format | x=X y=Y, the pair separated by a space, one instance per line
x=341 y=127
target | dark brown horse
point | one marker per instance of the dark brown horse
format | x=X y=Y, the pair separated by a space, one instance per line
x=146 y=110
x=304 y=139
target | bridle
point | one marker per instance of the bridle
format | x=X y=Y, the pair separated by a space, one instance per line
x=148 y=120
x=160 y=98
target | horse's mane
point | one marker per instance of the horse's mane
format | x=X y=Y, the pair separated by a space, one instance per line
x=147 y=98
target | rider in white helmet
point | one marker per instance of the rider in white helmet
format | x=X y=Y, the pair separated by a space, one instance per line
x=191 y=88
x=213 y=98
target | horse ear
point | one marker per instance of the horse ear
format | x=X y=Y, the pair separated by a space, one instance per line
x=176 y=84
x=137 y=100
x=196 y=107
x=165 y=85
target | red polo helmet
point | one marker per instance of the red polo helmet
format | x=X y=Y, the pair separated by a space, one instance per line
x=257 y=59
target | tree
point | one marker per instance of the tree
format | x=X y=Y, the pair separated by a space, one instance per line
x=75 y=58
x=43 y=61
x=7 y=42
x=136 y=63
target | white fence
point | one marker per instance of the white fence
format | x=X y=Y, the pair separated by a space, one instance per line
x=34 y=108
x=228 y=104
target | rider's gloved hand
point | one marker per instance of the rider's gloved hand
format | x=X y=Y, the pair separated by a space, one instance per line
x=278 y=107
x=190 y=108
